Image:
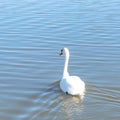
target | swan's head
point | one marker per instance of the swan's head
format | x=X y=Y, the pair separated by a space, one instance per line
x=64 y=51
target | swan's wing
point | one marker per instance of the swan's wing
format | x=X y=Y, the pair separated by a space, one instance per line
x=77 y=86
x=64 y=85
x=73 y=85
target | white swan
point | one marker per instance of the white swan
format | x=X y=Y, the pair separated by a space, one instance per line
x=72 y=85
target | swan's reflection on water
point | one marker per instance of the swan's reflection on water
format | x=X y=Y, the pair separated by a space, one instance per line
x=69 y=106
x=72 y=107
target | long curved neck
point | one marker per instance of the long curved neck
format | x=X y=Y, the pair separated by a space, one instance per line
x=65 y=71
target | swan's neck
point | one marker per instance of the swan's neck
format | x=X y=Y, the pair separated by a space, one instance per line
x=65 y=71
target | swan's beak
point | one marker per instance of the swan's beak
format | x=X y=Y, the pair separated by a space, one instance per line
x=61 y=53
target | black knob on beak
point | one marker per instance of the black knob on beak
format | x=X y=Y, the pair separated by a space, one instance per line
x=61 y=53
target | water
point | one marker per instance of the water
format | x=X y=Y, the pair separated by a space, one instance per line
x=32 y=32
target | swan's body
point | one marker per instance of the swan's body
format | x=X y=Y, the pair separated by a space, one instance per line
x=70 y=84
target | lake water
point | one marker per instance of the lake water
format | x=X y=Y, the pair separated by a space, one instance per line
x=32 y=32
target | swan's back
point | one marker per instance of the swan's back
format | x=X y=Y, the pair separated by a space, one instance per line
x=72 y=85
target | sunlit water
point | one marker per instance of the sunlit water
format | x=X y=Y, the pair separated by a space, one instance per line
x=32 y=32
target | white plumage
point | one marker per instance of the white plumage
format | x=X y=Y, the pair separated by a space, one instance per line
x=70 y=84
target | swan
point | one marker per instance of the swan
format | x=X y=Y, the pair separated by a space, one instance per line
x=72 y=85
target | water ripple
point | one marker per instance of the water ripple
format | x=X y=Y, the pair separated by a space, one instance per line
x=33 y=32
